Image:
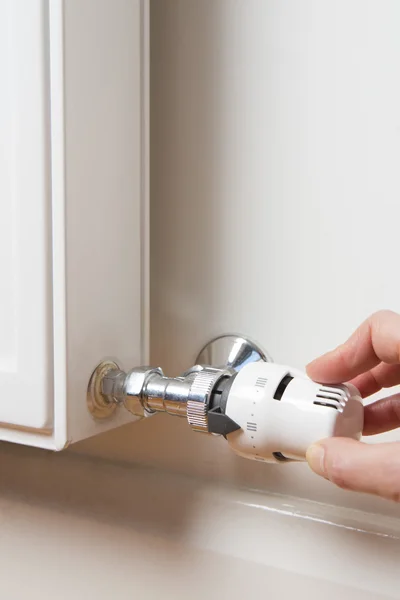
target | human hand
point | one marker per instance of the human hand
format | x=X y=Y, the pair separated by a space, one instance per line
x=370 y=359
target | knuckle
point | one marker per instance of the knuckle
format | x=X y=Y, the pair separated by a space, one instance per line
x=394 y=404
x=374 y=379
x=381 y=314
x=390 y=483
x=383 y=326
x=380 y=321
x=344 y=357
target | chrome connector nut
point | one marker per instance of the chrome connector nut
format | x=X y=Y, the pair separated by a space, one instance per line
x=135 y=384
x=113 y=385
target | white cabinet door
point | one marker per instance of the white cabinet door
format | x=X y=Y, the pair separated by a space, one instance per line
x=73 y=199
x=26 y=382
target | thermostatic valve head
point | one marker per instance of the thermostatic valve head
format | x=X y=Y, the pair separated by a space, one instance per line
x=281 y=412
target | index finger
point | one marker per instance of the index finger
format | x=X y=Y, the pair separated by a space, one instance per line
x=376 y=340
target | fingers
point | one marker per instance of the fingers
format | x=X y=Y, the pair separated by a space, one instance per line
x=376 y=340
x=382 y=376
x=351 y=465
x=383 y=415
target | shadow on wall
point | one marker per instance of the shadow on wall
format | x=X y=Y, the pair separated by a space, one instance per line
x=187 y=84
x=97 y=490
x=167 y=443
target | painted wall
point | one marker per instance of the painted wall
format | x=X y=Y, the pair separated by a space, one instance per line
x=274 y=195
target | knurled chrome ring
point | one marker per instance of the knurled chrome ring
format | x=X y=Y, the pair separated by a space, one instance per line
x=199 y=397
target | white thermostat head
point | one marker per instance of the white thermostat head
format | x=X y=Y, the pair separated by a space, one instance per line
x=280 y=412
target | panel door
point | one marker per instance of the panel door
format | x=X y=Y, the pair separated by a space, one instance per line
x=73 y=198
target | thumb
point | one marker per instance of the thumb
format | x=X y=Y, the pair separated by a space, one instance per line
x=351 y=465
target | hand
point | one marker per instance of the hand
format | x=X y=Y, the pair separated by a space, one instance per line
x=370 y=359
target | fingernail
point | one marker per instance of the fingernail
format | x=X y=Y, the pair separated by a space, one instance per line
x=315 y=458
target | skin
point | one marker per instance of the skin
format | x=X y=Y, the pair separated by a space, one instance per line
x=370 y=359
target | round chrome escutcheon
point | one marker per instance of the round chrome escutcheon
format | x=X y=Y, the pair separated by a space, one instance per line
x=232 y=352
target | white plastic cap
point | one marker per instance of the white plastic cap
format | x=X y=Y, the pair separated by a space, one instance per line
x=281 y=412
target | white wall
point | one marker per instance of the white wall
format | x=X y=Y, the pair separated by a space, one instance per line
x=275 y=192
